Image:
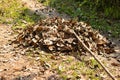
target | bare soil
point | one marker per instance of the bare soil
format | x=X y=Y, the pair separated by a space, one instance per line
x=16 y=66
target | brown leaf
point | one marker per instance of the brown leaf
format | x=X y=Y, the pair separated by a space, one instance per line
x=115 y=64
x=34 y=40
x=48 y=42
x=55 y=34
x=60 y=44
x=69 y=40
x=51 y=48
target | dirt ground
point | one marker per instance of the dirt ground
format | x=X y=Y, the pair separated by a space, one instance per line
x=16 y=66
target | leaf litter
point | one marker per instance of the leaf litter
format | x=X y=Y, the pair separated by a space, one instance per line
x=53 y=34
x=38 y=37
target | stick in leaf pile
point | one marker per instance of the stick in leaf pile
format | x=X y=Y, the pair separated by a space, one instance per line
x=86 y=48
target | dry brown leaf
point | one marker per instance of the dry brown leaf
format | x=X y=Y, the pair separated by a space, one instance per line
x=55 y=34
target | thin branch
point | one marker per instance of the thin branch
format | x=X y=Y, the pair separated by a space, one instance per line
x=85 y=47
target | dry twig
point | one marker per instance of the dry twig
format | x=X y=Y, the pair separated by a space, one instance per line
x=87 y=49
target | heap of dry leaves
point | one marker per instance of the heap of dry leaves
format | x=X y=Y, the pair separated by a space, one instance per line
x=54 y=34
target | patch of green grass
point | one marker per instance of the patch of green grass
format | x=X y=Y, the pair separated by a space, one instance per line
x=81 y=12
x=68 y=67
x=15 y=13
x=76 y=68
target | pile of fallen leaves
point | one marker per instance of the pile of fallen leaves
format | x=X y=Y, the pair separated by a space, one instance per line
x=54 y=34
